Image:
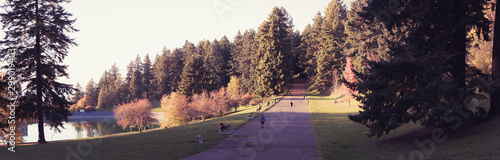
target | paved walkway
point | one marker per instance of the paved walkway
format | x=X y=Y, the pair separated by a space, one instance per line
x=287 y=134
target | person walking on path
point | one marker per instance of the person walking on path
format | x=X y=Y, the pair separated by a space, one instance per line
x=262 y=120
x=291 y=104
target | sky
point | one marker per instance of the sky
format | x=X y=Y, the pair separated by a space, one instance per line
x=116 y=31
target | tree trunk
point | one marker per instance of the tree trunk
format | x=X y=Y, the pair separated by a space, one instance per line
x=495 y=70
x=39 y=101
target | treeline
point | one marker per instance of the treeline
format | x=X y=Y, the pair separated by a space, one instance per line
x=411 y=65
x=263 y=62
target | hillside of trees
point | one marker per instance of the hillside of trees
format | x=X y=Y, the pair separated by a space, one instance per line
x=402 y=67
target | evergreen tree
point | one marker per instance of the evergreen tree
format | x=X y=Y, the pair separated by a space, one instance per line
x=128 y=79
x=328 y=55
x=78 y=93
x=130 y=71
x=274 y=48
x=104 y=97
x=495 y=97
x=38 y=31
x=236 y=51
x=425 y=78
x=136 y=86
x=188 y=50
x=157 y=74
x=244 y=58
x=248 y=61
x=295 y=52
x=203 y=47
x=111 y=84
x=214 y=68
x=310 y=45
x=365 y=39
x=193 y=76
x=147 y=76
x=175 y=69
x=121 y=92
x=92 y=92
x=225 y=52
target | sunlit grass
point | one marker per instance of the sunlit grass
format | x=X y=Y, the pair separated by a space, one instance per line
x=171 y=143
x=340 y=138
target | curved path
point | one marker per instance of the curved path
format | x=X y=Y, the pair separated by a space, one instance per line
x=287 y=134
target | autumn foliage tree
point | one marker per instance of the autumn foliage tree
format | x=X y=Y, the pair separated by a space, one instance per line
x=137 y=113
x=80 y=104
x=348 y=78
x=176 y=108
x=203 y=105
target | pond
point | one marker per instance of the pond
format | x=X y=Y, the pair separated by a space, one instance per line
x=77 y=128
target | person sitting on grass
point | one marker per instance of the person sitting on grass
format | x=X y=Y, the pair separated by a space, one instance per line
x=223 y=127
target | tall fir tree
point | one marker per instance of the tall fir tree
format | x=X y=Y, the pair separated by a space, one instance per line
x=310 y=45
x=92 y=92
x=248 y=60
x=136 y=87
x=365 y=39
x=193 y=76
x=175 y=68
x=329 y=53
x=236 y=50
x=37 y=30
x=188 y=49
x=213 y=64
x=147 y=76
x=78 y=93
x=225 y=52
x=157 y=74
x=495 y=96
x=274 y=39
x=426 y=78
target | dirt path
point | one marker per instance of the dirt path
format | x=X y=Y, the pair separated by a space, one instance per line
x=287 y=134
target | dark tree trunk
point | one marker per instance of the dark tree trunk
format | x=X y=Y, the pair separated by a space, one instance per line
x=39 y=101
x=459 y=59
x=495 y=70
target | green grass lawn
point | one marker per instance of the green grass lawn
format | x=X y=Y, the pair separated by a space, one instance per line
x=340 y=138
x=171 y=143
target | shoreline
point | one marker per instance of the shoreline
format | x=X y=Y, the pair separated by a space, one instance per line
x=104 y=115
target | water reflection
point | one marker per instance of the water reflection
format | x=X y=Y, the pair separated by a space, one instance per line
x=76 y=129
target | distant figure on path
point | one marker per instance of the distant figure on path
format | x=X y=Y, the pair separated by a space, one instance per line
x=291 y=104
x=262 y=120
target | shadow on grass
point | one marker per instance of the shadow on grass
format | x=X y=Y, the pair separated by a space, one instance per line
x=340 y=138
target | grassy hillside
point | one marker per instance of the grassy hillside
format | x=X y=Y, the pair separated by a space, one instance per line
x=171 y=143
x=340 y=138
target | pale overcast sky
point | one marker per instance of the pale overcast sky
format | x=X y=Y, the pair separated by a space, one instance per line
x=115 y=31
